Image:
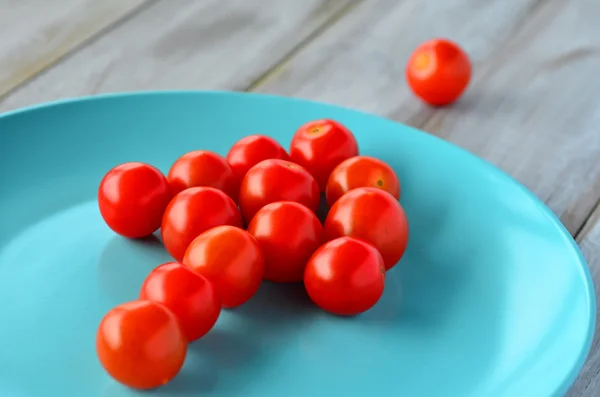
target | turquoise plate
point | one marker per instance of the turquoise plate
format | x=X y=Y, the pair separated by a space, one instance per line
x=493 y=297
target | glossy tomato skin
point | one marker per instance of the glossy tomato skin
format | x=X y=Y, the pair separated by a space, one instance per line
x=190 y=296
x=320 y=145
x=203 y=168
x=374 y=216
x=192 y=212
x=361 y=171
x=288 y=234
x=132 y=199
x=345 y=276
x=438 y=72
x=141 y=344
x=277 y=180
x=251 y=150
x=231 y=259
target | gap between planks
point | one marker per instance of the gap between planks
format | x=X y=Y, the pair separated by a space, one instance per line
x=48 y=61
x=289 y=56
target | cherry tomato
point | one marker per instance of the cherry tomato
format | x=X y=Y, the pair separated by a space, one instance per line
x=438 y=72
x=374 y=216
x=141 y=344
x=203 y=168
x=251 y=150
x=277 y=180
x=231 y=259
x=345 y=276
x=320 y=145
x=288 y=234
x=132 y=198
x=361 y=171
x=192 y=212
x=190 y=296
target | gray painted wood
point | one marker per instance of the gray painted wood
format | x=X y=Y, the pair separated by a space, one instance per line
x=183 y=44
x=533 y=107
x=588 y=383
x=36 y=33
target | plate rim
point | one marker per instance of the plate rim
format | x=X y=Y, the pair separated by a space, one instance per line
x=569 y=378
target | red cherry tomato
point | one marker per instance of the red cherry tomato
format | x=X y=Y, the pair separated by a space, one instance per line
x=288 y=234
x=132 y=198
x=141 y=344
x=192 y=212
x=190 y=296
x=277 y=180
x=251 y=150
x=231 y=259
x=361 y=171
x=438 y=72
x=203 y=168
x=374 y=216
x=345 y=276
x=320 y=145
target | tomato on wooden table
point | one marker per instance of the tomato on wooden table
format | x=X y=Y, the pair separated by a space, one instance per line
x=288 y=234
x=345 y=276
x=251 y=150
x=192 y=212
x=132 y=198
x=190 y=296
x=438 y=72
x=231 y=259
x=141 y=344
x=203 y=168
x=361 y=171
x=277 y=180
x=374 y=216
x=320 y=145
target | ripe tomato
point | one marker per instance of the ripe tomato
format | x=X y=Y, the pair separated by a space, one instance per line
x=361 y=171
x=277 y=180
x=288 y=233
x=251 y=150
x=132 y=198
x=374 y=216
x=190 y=296
x=141 y=344
x=231 y=259
x=320 y=145
x=345 y=276
x=438 y=72
x=192 y=212
x=203 y=168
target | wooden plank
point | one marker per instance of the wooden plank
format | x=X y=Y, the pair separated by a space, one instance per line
x=34 y=34
x=532 y=108
x=588 y=383
x=184 y=44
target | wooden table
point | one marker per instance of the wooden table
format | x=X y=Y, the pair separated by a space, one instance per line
x=533 y=107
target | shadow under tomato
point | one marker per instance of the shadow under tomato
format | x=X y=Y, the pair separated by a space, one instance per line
x=221 y=354
x=278 y=304
x=215 y=363
x=125 y=263
x=249 y=336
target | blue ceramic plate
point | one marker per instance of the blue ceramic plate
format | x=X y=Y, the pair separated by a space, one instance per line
x=492 y=298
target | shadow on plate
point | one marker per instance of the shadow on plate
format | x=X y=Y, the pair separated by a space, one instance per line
x=125 y=263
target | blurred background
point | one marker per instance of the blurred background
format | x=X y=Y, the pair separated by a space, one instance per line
x=532 y=106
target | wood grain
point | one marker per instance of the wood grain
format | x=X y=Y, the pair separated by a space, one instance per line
x=184 y=44
x=35 y=33
x=529 y=109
